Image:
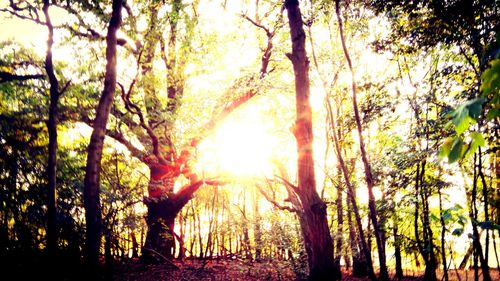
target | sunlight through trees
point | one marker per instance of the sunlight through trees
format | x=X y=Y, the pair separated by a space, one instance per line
x=250 y=140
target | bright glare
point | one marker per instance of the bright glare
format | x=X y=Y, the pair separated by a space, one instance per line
x=241 y=147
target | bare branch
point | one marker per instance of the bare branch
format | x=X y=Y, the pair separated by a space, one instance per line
x=134 y=109
x=119 y=137
x=287 y=183
x=269 y=33
x=64 y=88
x=212 y=124
x=7 y=77
x=275 y=203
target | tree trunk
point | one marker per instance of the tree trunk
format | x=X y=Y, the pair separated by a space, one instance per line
x=163 y=207
x=340 y=223
x=397 y=251
x=384 y=275
x=473 y=214
x=52 y=130
x=443 y=232
x=160 y=240
x=361 y=266
x=485 y=204
x=427 y=250
x=313 y=220
x=257 y=229
x=93 y=168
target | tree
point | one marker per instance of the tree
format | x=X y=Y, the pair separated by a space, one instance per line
x=384 y=275
x=312 y=216
x=471 y=26
x=52 y=227
x=94 y=152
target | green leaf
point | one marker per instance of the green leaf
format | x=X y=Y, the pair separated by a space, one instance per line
x=478 y=138
x=461 y=119
x=493 y=113
x=477 y=141
x=491 y=78
x=466 y=114
x=445 y=148
x=446 y=216
x=458 y=231
x=474 y=106
x=456 y=150
x=462 y=220
x=489 y=225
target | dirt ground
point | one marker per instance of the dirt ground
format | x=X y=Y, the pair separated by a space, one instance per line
x=229 y=270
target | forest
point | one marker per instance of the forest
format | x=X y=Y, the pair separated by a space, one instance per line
x=250 y=140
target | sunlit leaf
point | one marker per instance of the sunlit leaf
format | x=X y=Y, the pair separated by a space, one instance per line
x=461 y=119
x=477 y=141
x=446 y=148
x=491 y=78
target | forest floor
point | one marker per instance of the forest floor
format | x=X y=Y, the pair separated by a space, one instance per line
x=229 y=270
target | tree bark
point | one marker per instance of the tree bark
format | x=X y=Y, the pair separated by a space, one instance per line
x=443 y=232
x=314 y=225
x=163 y=207
x=473 y=214
x=397 y=251
x=93 y=168
x=52 y=228
x=340 y=223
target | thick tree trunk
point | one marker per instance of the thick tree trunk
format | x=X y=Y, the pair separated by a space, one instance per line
x=314 y=225
x=163 y=207
x=160 y=239
x=93 y=168
x=52 y=130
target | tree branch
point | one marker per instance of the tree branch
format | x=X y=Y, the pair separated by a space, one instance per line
x=7 y=77
x=276 y=204
x=185 y=194
x=134 y=109
x=119 y=137
x=269 y=33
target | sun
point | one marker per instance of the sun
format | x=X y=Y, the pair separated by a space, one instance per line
x=243 y=146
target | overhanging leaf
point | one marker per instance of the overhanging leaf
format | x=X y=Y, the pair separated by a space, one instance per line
x=445 y=148
x=474 y=107
x=456 y=150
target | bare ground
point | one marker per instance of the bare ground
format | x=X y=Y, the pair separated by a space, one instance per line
x=229 y=270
